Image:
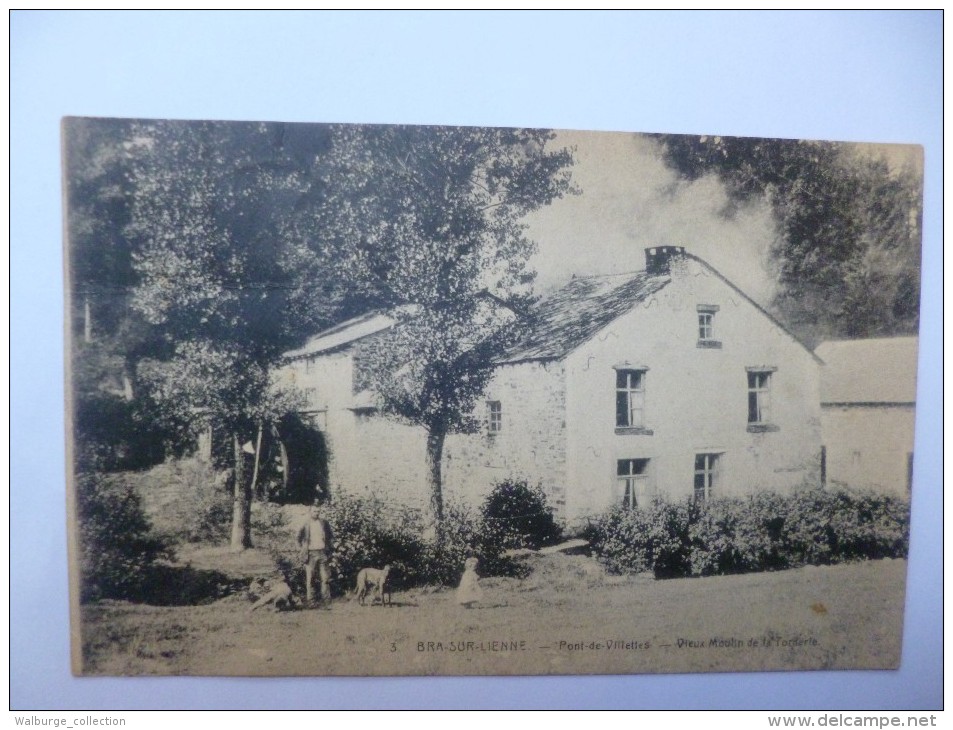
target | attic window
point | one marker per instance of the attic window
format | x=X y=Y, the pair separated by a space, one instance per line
x=706 y=327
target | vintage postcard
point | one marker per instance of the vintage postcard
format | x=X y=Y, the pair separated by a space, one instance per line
x=390 y=400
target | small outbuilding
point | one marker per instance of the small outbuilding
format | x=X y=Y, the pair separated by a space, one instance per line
x=868 y=400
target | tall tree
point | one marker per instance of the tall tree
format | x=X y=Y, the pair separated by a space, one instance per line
x=209 y=203
x=847 y=251
x=431 y=220
x=112 y=429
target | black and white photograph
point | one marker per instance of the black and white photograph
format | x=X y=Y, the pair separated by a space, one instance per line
x=435 y=400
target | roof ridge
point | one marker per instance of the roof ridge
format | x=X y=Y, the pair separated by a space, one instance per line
x=868 y=339
x=606 y=276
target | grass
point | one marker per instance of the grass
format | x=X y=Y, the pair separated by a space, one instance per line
x=567 y=613
x=566 y=617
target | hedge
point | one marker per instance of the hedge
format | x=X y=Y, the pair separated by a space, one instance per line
x=765 y=531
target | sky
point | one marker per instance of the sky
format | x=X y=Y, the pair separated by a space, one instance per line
x=629 y=201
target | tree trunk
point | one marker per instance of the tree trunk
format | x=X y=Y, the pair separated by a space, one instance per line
x=254 y=474
x=87 y=321
x=435 y=439
x=283 y=451
x=127 y=379
x=241 y=505
x=205 y=444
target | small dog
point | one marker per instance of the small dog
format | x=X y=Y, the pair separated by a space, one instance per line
x=373 y=581
x=277 y=593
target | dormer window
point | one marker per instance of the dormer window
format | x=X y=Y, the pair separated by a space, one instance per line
x=706 y=326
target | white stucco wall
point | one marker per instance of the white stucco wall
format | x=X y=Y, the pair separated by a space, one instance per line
x=868 y=446
x=558 y=427
x=695 y=399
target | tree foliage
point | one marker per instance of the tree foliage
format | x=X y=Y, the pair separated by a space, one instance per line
x=230 y=243
x=210 y=202
x=430 y=222
x=847 y=251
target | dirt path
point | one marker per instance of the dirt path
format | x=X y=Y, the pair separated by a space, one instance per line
x=566 y=617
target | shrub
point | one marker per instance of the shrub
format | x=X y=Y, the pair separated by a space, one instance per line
x=369 y=533
x=621 y=540
x=882 y=529
x=461 y=536
x=117 y=546
x=441 y=561
x=186 y=499
x=516 y=515
x=652 y=538
x=739 y=535
x=210 y=518
x=112 y=434
x=761 y=532
x=669 y=538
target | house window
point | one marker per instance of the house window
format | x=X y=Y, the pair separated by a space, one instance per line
x=310 y=398
x=495 y=420
x=706 y=326
x=706 y=473
x=759 y=399
x=633 y=480
x=630 y=398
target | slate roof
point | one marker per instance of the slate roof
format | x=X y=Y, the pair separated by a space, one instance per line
x=343 y=334
x=566 y=319
x=869 y=371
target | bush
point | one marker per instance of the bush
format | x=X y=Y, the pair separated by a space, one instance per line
x=117 y=546
x=516 y=515
x=441 y=561
x=655 y=538
x=112 y=434
x=210 y=519
x=670 y=538
x=368 y=533
x=185 y=499
x=461 y=536
x=621 y=538
x=761 y=532
x=371 y=533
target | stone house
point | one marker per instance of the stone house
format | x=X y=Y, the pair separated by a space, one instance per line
x=667 y=381
x=868 y=399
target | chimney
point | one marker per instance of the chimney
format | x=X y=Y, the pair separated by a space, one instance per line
x=659 y=258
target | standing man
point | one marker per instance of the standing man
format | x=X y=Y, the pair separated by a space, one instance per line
x=314 y=543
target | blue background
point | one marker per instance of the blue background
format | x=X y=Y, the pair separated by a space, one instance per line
x=864 y=76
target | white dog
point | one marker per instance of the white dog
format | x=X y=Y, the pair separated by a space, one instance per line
x=373 y=581
x=277 y=593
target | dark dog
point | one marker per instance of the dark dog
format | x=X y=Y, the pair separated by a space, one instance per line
x=373 y=581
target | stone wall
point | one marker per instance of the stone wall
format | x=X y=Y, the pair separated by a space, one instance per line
x=530 y=443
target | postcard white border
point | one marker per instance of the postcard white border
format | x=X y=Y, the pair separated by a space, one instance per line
x=863 y=76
